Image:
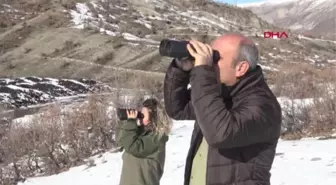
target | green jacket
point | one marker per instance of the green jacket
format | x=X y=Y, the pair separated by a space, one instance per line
x=144 y=156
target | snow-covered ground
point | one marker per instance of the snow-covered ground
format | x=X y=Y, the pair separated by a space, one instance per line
x=303 y=162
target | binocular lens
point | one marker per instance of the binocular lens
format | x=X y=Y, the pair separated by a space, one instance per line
x=173 y=48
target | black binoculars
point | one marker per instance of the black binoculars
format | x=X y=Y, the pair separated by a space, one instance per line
x=122 y=114
x=178 y=49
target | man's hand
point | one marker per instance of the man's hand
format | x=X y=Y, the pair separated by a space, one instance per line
x=201 y=52
x=132 y=114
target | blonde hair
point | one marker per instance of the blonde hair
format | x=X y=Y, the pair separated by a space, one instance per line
x=161 y=122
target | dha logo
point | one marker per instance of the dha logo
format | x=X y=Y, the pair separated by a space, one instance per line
x=275 y=35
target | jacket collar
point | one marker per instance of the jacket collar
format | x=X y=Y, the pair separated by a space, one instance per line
x=252 y=79
x=147 y=128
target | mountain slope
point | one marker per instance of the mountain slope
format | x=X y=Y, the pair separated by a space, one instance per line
x=313 y=17
x=25 y=91
x=116 y=42
x=99 y=39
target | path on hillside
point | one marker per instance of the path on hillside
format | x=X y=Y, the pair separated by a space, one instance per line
x=119 y=69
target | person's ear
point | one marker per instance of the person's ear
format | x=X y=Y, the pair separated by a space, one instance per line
x=242 y=68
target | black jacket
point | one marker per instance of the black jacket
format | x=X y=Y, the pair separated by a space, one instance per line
x=241 y=125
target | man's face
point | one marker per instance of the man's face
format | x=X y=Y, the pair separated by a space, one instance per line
x=226 y=69
x=228 y=47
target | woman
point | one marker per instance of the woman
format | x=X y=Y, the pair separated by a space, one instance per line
x=144 y=142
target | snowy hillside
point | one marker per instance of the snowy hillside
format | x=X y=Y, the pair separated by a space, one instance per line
x=303 y=162
x=313 y=17
x=166 y=19
x=25 y=91
x=109 y=39
x=95 y=15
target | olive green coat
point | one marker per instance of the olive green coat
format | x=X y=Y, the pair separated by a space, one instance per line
x=144 y=155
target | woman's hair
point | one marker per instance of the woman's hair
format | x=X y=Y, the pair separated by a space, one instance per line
x=160 y=121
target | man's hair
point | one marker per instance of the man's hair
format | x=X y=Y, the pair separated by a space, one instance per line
x=247 y=52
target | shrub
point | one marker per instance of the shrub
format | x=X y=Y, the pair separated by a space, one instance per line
x=105 y=58
x=69 y=4
x=309 y=106
x=55 y=140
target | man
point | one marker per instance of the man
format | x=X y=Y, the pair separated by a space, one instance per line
x=238 y=118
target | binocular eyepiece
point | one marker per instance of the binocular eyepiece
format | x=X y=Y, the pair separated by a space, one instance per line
x=178 y=49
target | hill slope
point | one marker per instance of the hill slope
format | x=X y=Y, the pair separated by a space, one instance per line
x=313 y=17
x=116 y=42
x=103 y=39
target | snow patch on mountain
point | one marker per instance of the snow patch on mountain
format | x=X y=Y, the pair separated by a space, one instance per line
x=83 y=17
x=95 y=14
x=25 y=91
x=312 y=17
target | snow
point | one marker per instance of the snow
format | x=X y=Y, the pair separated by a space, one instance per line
x=24 y=121
x=147 y=24
x=26 y=91
x=295 y=104
x=192 y=15
x=268 y=68
x=6 y=97
x=82 y=16
x=307 y=162
x=79 y=17
x=307 y=38
x=194 y=20
x=283 y=51
x=312 y=60
x=129 y=36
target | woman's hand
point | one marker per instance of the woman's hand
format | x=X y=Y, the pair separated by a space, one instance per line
x=132 y=114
